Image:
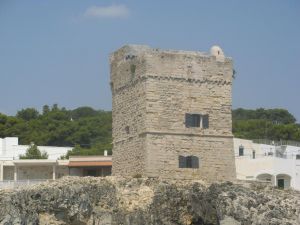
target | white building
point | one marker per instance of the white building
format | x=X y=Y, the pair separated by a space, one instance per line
x=35 y=170
x=13 y=169
x=10 y=149
x=278 y=163
x=19 y=173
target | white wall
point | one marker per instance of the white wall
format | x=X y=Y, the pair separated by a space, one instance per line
x=9 y=149
x=249 y=147
x=1 y=146
x=53 y=151
x=292 y=150
x=296 y=183
x=248 y=168
x=6 y=143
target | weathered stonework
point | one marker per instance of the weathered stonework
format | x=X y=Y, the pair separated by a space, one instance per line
x=152 y=91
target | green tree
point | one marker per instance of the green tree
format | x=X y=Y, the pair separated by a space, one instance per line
x=274 y=124
x=34 y=153
x=3 y=118
x=55 y=128
x=54 y=107
x=46 y=109
x=276 y=116
x=83 y=112
x=97 y=149
x=28 y=114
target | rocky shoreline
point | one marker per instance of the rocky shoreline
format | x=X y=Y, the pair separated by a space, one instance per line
x=139 y=201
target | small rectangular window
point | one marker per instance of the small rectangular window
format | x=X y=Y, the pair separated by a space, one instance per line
x=241 y=150
x=188 y=161
x=196 y=120
x=298 y=156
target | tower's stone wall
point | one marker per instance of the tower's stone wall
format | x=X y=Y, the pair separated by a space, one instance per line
x=152 y=92
x=215 y=154
x=128 y=112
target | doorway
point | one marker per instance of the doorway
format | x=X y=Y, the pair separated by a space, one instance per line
x=280 y=183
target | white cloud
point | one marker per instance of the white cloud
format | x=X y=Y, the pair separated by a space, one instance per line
x=112 y=11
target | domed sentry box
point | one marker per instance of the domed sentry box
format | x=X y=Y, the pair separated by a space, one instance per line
x=172 y=113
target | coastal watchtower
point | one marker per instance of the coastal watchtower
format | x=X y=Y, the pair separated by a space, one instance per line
x=172 y=113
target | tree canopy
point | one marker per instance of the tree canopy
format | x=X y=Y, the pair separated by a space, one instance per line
x=276 y=116
x=28 y=114
x=87 y=129
x=274 y=124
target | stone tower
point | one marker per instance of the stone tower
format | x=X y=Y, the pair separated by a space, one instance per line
x=172 y=113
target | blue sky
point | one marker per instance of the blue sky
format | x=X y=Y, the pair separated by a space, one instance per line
x=57 y=51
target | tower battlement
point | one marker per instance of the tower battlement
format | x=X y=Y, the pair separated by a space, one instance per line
x=140 y=61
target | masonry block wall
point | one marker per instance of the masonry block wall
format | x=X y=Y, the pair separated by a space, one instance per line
x=154 y=92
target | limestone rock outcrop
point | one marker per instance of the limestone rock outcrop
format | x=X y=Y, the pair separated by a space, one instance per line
x=139 y=201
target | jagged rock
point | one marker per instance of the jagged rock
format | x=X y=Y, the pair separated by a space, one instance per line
x=139 y=201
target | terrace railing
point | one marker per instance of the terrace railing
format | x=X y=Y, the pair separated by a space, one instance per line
x=277 y=143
